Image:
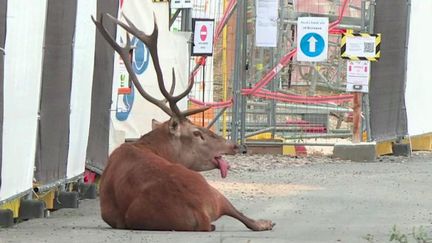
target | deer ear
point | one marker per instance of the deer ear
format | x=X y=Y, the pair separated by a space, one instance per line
x=155 y=124
x=174 y=127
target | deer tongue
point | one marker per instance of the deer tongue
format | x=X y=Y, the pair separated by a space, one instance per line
x=223 y=166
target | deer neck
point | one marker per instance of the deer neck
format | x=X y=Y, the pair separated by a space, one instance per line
x=160 y=142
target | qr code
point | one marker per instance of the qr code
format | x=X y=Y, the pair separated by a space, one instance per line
x=369 y=47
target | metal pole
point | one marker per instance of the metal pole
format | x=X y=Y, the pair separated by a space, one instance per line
x=239 y=76
x=272 y=103
x=366 y=104
x=242 y=72
x=314 y=80
x=186 y=26
x=212 y=122
x=224 y=75
x=186 y=20
x=260 y=131
x=357 y=117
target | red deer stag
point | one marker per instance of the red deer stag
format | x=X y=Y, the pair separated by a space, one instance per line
x=152 y=184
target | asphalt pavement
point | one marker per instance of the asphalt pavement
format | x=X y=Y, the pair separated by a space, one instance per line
x=313 y=202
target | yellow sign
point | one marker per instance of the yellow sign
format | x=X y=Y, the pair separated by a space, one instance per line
x=361 y=46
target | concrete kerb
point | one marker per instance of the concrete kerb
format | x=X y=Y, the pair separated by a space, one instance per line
x=359 y=152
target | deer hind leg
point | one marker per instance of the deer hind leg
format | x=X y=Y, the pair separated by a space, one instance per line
x=145 y=215
x=256 y=225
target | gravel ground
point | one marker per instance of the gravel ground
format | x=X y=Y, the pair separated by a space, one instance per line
x=311 y=199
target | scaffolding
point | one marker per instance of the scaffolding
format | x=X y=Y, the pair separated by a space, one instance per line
x=299 y=102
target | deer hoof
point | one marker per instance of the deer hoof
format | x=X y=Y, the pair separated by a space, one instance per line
x=262 y=225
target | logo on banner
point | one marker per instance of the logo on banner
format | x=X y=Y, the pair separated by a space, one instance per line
x=124 y=105
x=140 y=62
x=141 y=56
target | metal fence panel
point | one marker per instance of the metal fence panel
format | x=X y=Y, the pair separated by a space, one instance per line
x=302 y=102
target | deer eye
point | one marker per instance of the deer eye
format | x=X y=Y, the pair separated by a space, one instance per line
x=198 y=134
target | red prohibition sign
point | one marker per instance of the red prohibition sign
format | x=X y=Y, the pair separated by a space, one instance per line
x=203 y=33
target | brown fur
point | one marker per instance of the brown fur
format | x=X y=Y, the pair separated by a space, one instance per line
x=143 y=187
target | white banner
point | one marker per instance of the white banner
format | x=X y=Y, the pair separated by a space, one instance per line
x=131 y=113
x=82 y=81
x=22 y=82
x=418 y=96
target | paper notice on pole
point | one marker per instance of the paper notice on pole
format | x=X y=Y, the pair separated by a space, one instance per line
x=266 y=23
x=266 y=32
x=358 y=76
x=267 y=9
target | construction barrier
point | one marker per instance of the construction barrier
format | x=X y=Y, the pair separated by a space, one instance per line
x=81 y=93
x=22 y=82
x=418 y=86
x=47 y=81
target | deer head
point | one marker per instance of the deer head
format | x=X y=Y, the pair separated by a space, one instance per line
x=177 y=140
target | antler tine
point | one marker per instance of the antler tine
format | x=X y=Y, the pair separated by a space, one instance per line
x=124 y=54
x=173 y=82
x=151 y=43
x=182 y=95
x=186 y=92
x=171 y=92
x=194 y=111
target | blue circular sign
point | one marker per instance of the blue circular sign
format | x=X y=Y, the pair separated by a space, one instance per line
x=141 y=55
x=312 y=44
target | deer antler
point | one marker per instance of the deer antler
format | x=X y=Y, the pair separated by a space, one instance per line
x=151 y=42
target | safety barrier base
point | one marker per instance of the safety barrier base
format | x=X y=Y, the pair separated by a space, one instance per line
x=33 y=204
x=384 y=148
x=422 y=143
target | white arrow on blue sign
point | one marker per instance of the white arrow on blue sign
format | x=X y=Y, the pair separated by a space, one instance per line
x=312 y=39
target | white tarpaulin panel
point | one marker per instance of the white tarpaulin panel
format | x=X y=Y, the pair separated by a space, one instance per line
x=22 y=82
x=82 y=76
x=131 y=113
x=419 y=86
